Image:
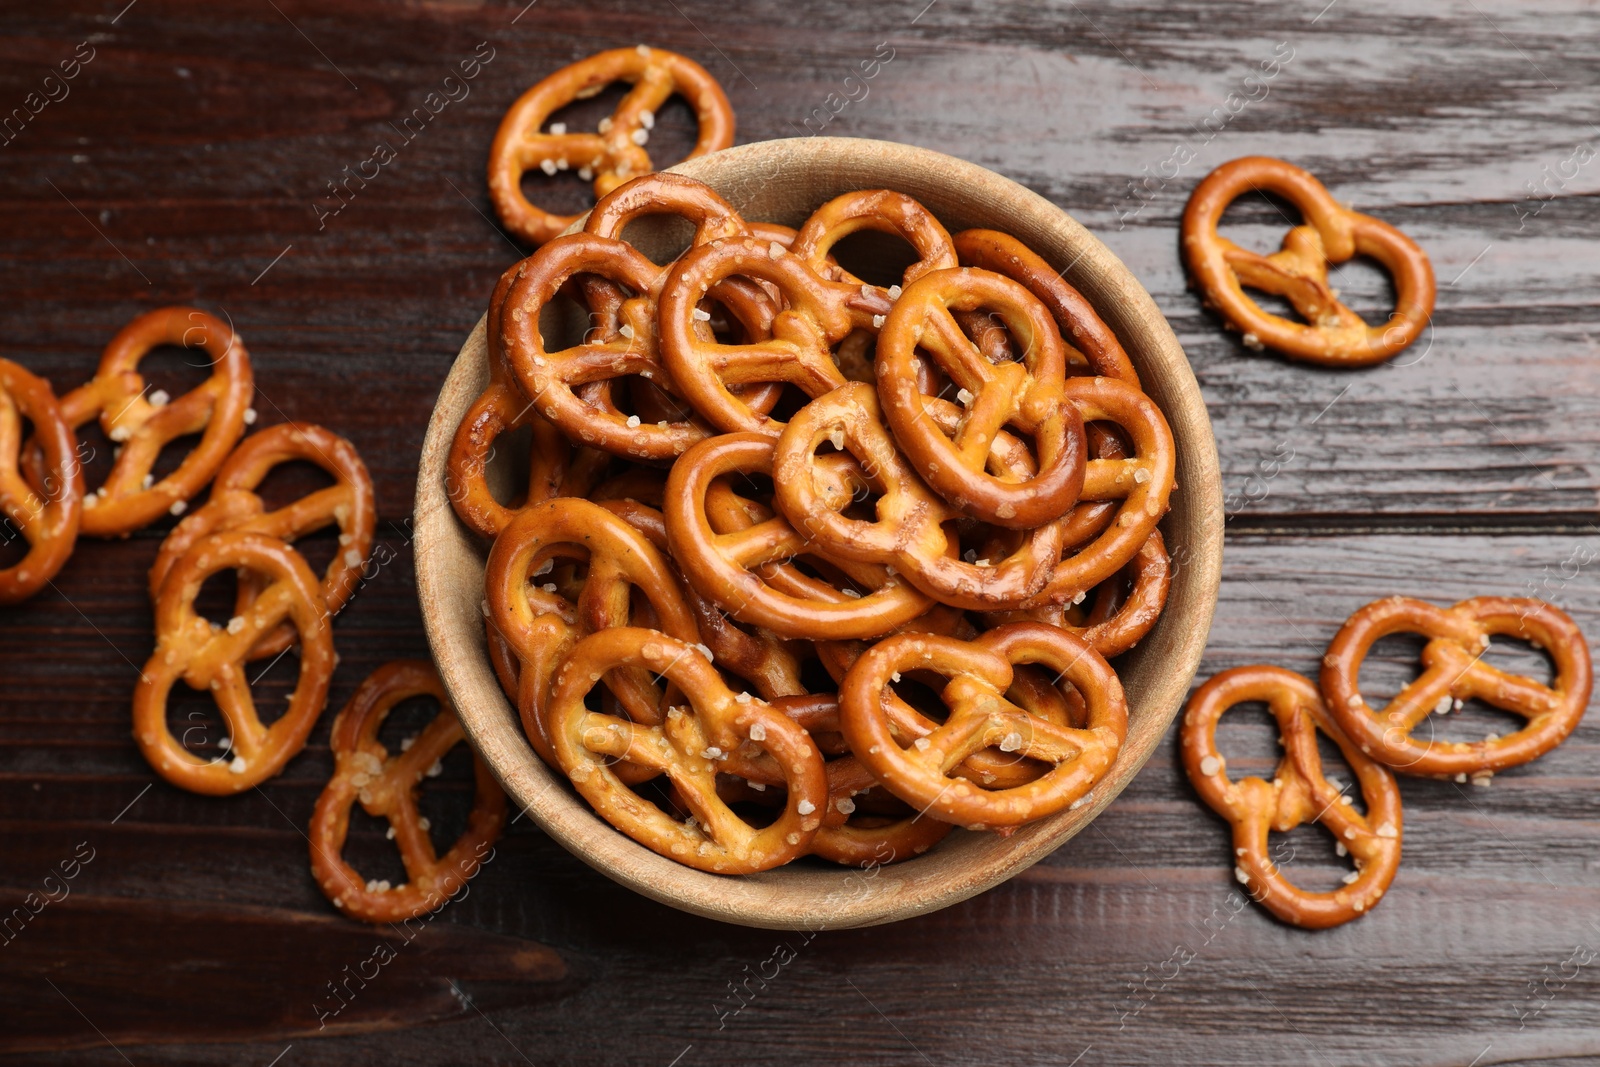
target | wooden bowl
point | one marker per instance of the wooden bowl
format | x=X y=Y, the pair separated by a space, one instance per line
x=784 y=181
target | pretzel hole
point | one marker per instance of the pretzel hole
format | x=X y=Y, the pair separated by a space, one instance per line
x=194 y=719
x=171 y=457
x=368 y=849
x=790 y=401
x=875 y=257
x=176 y=369
x=446 y=801
x=1513 y=655
x=217 y=599
x=1247 y=738
x=506 y=472
x=1257 y=220
x=13 y=546
x=1308 y=857
x=96 y=454
x=1392 y=663
x=290 y=481
x=405 y=721
x=272 y=683
x=1365 y=287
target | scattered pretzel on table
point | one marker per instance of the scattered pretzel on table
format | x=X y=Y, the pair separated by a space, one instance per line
x=234 y=505
x=1298 y=793
x=141 y=423
x=613 y=154
x=385 y=784
x=1331 y=233
x=47 y=513
x=1454 y=671
x=205 y=656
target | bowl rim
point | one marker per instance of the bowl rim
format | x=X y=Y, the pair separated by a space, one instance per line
x=871 y=894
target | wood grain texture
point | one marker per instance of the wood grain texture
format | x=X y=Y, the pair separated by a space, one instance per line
x=207 y=132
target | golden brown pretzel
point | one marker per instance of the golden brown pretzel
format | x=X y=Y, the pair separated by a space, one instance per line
x=208 y=657
x=143 y=424
x=47 y=517
x=614 y=154
x=728 y=565
x=541 y=632
x=909 y=529
x=873 y=209
x=234 y=505
x=817 y=314
x=980 y=673
x=1081 y=328
x=713 y=217
x=1142 y=482
x=551 y=379
x=1026 y=394
x=1031 y=689
x=1123 y=609
x=745 y=304
x=1298 y=793
x=1332 y=233
x=386 y=786
x=688 y=748
x=1453 y=671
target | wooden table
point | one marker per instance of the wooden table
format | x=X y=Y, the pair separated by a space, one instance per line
x=184 y=164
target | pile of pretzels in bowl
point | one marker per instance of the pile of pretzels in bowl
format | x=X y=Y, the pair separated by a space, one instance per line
x=803 y=564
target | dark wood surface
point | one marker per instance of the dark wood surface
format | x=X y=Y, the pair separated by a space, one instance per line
x=191 y=152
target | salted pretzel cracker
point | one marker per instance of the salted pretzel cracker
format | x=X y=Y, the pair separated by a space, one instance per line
x=817 y=314
x=234 y=505
x=688 y=748
x=208 y=657
x=1086 y=334
x=550 y=379
x=885 y=211
x=724 y=564
x=909 y=529
x=141 y=423
x=1331 y=233
x=1026 y=394
x=47 y=517
x=980 y=672
x=385 y=785
x=541 y=633
x=743 y=302
x=616 y=152
x=1298 y=793
x=1453 y=670
x=1031 y=689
